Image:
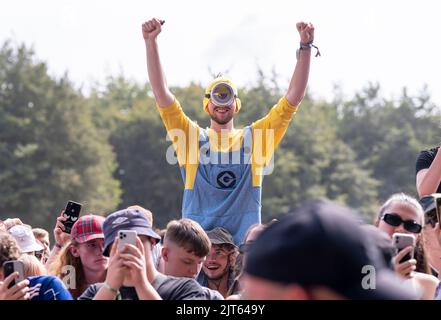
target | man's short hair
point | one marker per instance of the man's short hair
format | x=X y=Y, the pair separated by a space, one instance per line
x=188 y=234
x=9 y=249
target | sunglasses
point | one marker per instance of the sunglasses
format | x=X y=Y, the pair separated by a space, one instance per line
x=395 y=220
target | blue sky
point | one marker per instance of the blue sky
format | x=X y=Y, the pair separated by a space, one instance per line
x=393 y=42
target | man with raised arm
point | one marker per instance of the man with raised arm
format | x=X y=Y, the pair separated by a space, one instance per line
x=222 y=167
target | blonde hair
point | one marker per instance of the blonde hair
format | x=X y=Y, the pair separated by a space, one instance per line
x=32 y=266
x=66 y=258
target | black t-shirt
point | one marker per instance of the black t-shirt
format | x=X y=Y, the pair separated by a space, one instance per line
x=425 y=159
x=168 y=287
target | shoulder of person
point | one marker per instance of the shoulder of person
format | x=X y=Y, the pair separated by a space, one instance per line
x=181 y=288
x=234 y=297
x=45 y=280
x=49 y=287
x=91 y=291
x=426 y=279
x=211 y=294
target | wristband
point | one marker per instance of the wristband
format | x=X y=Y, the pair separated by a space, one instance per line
x=108 y=287
x=306 y=46
x=59 y=246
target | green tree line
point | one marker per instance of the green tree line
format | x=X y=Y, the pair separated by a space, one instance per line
x=106 y=149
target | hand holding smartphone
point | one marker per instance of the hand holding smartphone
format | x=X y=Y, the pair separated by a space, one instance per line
x=402 y=241
x=10 y=267
x=71 y=213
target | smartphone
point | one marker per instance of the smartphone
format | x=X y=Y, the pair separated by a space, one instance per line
x=126 y=236
x=404 y=240
x=72 y=213
x=10 y=267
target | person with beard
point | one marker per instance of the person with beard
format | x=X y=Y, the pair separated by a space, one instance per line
x=219 y=266
x=223 y=167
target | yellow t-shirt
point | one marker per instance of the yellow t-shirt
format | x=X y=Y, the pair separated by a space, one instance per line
x=266 y=136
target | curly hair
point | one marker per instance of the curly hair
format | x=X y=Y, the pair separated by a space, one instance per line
x=9 y=249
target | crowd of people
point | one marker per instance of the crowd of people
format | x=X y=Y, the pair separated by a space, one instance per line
x=219 y=249
x=320 y=251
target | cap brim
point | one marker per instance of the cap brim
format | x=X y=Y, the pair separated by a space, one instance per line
x=219 y=242
x=31 y=248
x=428 y=203
x=142 y=231
x=90 y=237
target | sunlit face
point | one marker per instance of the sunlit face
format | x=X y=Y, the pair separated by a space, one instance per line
x=179 y=262
x=91 y=255
x=217 y=265
x=406 y=212
x=221 y=115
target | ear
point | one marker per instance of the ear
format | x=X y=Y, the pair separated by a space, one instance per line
x=164 y=253
x=74 y=251
x=237 y=101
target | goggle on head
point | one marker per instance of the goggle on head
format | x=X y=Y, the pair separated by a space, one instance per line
x=222 y=95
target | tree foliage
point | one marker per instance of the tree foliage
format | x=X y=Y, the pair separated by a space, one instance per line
x=107 y=149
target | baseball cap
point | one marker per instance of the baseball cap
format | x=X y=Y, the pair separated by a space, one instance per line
x=383 y=242
x=323 y=244
x=25 y=238
x=126 y=219
x=429 y=204
x=87 y=228
x=219 y=80
x=220 y=235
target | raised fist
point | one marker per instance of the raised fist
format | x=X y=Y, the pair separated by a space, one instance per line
x=151 y=29
x=306 y=32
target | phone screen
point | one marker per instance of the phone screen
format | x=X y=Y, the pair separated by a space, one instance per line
x=72 y=212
